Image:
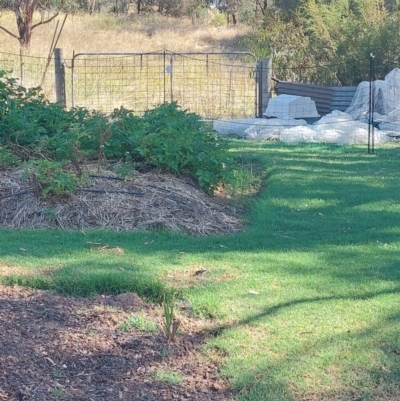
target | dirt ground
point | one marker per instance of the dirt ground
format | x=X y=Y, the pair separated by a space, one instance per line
x=54 y=347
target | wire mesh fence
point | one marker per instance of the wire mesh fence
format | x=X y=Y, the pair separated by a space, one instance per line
x=213 y=85
x=31 y=71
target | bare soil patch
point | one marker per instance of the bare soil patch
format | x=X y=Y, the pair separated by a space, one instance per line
x=54 y=347
x=147 y=201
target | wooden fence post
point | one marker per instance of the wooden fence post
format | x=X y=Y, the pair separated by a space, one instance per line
x=59 y=67
x=265 y=84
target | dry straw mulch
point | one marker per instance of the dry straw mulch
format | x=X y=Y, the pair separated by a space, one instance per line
x=151 y=201
x=54 y=347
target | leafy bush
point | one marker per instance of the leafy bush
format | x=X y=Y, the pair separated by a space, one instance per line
x=8 y=159
x=170 y=139
x=12 y=95
x=218 y=19
x=52 y=180
x=179 y=142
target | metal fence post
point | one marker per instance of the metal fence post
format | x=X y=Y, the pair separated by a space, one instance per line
x=59 y=68
x=264 y=84
x=171 y=71
x=371 y=133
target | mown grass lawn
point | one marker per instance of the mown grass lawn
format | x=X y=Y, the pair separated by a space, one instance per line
x=307 y=297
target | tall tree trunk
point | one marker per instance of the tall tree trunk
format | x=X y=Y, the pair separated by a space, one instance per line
x=24 y=17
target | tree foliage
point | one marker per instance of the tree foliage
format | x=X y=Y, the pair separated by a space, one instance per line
x=329 y=42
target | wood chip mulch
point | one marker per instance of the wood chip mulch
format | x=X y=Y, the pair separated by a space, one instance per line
x=54 y=347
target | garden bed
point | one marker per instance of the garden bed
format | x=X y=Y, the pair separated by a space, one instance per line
x=55 y=347
x=146 y=201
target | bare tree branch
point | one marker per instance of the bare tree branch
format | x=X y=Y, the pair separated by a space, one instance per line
x=45 y=22
x=10 y=33
x=51 y=18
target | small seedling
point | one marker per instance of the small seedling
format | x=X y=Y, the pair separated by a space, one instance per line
x=171 y=324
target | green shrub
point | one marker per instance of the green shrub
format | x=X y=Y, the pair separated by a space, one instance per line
x=8 y=159
x=179 y=142
x=12 y=95
x=166 y=137
x=52 y=180
x=219 y=19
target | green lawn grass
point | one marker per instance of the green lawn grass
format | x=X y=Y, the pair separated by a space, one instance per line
x=306 y=297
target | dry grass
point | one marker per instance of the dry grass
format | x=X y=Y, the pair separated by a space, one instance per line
x=214 y=87
x=109 y=33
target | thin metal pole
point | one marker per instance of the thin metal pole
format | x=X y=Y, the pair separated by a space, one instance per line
x=50 y=54
x=257 y=111
x=21 y=62
x=164 y=78
x=53 y=45
x=72 y=80
x=171 y=77
x=259 y=83
x=373 y=105
x=371 y=101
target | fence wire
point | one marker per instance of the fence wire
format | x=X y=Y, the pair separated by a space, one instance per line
x=213 y=85
x=31 y=72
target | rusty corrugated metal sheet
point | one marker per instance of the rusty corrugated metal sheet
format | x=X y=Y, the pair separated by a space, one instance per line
x=322 y=95
x=342 y=97
x=326 y=98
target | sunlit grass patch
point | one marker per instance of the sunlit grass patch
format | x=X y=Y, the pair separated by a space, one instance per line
x=303 y=304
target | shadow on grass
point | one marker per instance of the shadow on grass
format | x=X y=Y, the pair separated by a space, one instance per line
x=318 y=198
x=335 y=203
x=90 y=279
x=365 y=366
x=218 y=330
